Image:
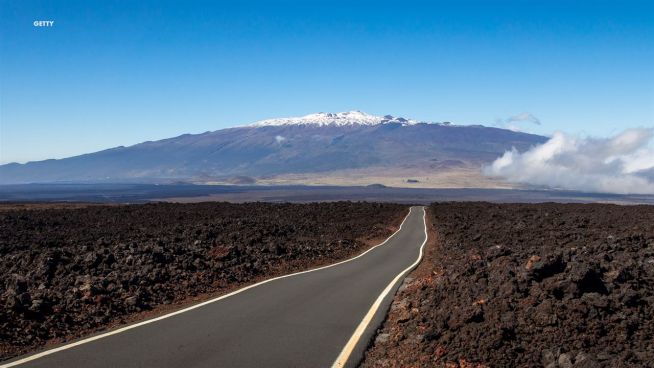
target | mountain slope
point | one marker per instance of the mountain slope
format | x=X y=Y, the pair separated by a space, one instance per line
x=317 y=143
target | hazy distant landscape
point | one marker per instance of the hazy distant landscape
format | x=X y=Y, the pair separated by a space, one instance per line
x=358 y=149
x=350 y=148
x=190 y=193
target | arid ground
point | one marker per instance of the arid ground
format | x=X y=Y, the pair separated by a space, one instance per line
x=527 y=285
x=69 y=270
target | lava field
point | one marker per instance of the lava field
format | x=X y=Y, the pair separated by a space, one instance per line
x=65 y=272
x=527 y=285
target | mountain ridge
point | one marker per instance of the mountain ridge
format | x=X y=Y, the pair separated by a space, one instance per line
x=342 y=143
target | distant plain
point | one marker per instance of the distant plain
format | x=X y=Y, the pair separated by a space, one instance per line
x=141 y=193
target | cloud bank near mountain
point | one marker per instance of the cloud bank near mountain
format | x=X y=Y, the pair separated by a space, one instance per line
x=621 y=164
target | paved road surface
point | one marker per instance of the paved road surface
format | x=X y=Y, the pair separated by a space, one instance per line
x=304 y=320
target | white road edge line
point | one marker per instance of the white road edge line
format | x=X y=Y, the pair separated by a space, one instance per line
x=126 y=328
x=343 y=357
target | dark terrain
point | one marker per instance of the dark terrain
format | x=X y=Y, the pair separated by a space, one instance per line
x=142 y=193
x=524 y=285
x=65 y=272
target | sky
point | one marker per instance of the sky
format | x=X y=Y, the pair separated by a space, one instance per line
x=110 y=73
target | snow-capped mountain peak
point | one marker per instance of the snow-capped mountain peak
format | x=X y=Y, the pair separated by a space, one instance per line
x=336 y=119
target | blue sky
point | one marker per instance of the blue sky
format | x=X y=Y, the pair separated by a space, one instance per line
x=112 y=73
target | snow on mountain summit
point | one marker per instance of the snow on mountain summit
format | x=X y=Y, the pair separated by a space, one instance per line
x=337 y=119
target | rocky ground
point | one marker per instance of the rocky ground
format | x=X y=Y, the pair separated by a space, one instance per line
x=520 y=285
x=65 y=272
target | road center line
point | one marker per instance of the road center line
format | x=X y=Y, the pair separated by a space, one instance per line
x=345 y=354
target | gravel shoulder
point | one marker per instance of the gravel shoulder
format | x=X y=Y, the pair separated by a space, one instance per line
x=527 y=285
x=70 y=272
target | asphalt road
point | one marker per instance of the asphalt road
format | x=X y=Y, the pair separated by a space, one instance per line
x=304 y=320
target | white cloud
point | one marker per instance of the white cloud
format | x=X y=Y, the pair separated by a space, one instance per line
x=523 y=117
x=620 y=164
x=279 y=139
x=516 y=122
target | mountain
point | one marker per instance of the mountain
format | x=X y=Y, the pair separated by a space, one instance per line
x=312 y=148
